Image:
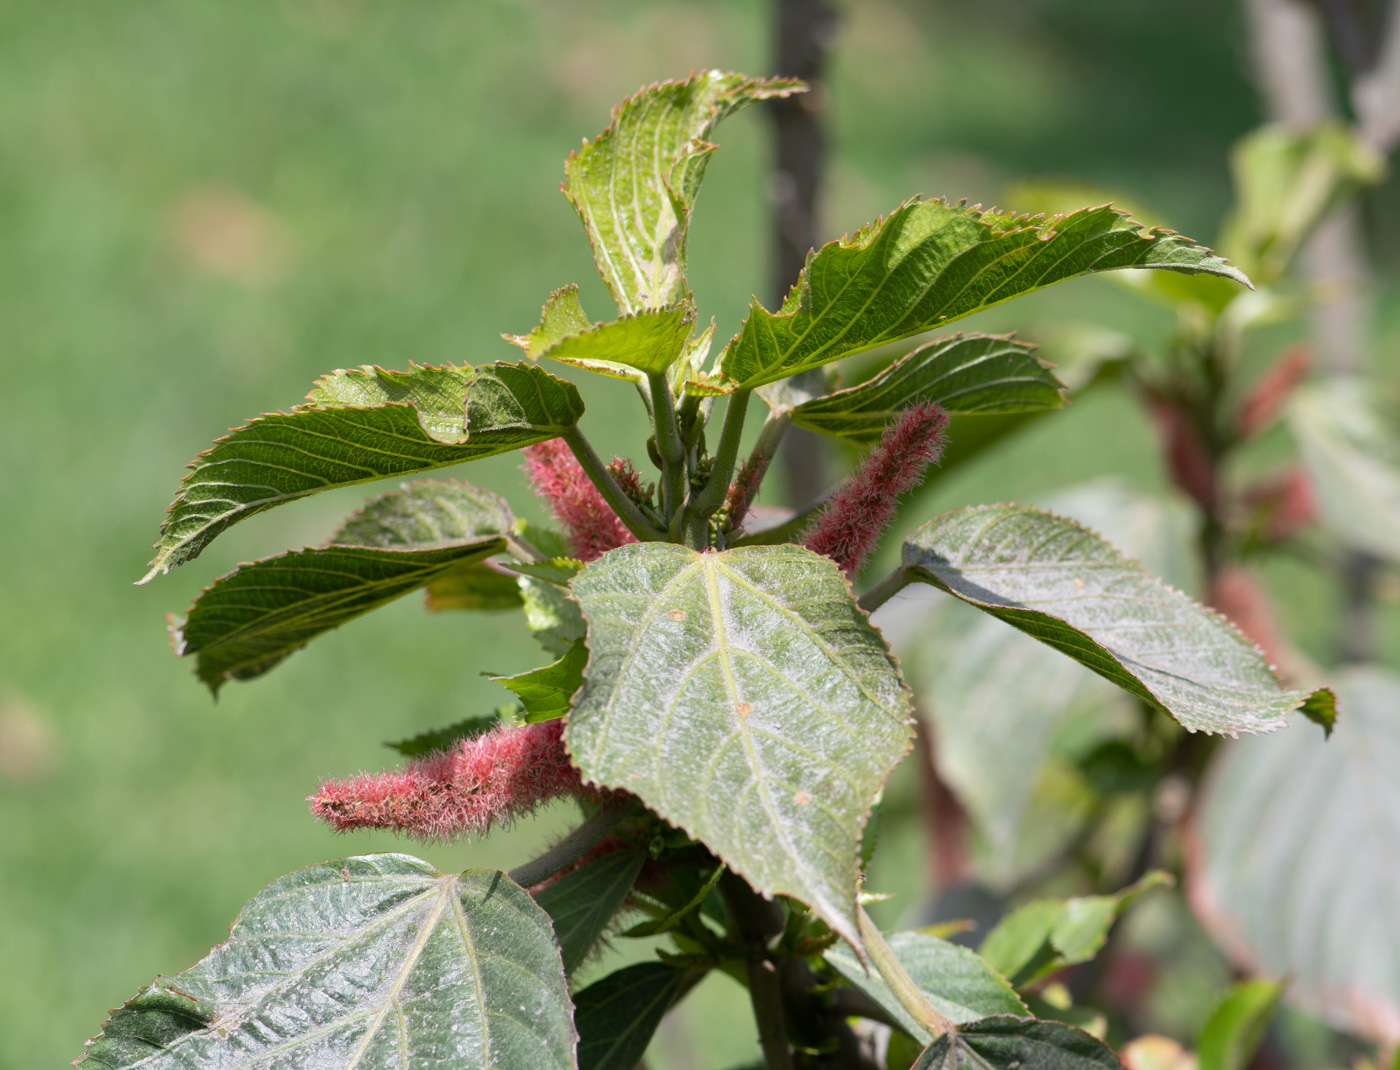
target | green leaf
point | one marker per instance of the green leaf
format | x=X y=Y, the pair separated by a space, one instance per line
x=561 y=317
x=672 y=921
x=358 y=426
x=1048 y=934
x=1236 y=1027
x=254 y=617
x=931 y=262
x=634 y=186
x=968 y=373
x=1062 y=584
x=551 y=614
x=583 y=902
x=444 y=738
x=617 y=1016
x=547 y=691
x=957 y=982
x=1006 y=1043
x=1296 y=857
x=747 y=700
x=632 y=347
x=378 y=961
x=479 y=587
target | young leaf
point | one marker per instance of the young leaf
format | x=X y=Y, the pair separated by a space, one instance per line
x=444 y=738
x=478 y=587
x=1047 y=934
x=1236 y=1027
x=635 y=184
x=376 y=961
x=561 y=317
x=617 y=1016
x=1062 y=584
x=746 y=699
x=629 y=348
x=930 y=262
x=1006 y=1043
x=583 y=902
x=551 y=614
x=357 y=426
x=977 y=374
x=546 y=691
x=254 y=617
x=1294 y=858
x=957 y=982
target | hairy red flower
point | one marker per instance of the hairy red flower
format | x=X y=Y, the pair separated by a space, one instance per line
x=744 y=489
x=1261 y=406
x=591 y=525
x=479 y=783
x=863 y=506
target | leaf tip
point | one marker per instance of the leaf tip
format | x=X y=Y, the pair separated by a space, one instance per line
x=1320 y=707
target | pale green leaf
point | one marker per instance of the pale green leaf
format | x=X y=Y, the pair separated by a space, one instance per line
x=583 y=902
x=369 y=962
x=1296 y=858
x=968 y=373
x=634 y=186
x=632 y=347
x=479 y=587
x=1059 y=582
x=1236 y=1027
x=930 y=262
x=254 y=617
x=358 y=426
x=1006 y=1043
x=958 y=983
x=545 y=692
x=747 y=700
x=550 y=613
x=617 y=1016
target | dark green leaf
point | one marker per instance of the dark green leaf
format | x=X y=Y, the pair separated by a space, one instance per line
x=973 y=373
x=957 y=982
x=746 y=699
x=583 y=902
x=931 y=262
x=617 y=1016
x=547 y=691
x=1062 y=584
x=254 y=617
x=478 y=587
x=1295 y=858
x=1236 y=1027
x=357 y=426
x=443 y=738
x=1045 y=935
x=369 y=962
x=1006 y=1043
x=635 y=184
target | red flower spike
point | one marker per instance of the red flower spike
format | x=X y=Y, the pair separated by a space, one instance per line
x=1263 y=403
x=1188 y=462
x=591 y=525
x=744 y=489
x=863 y=506
x=478 y=784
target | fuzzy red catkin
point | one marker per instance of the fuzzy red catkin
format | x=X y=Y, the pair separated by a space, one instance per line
x=479 y=783
x=863 y=506
x=591 y=525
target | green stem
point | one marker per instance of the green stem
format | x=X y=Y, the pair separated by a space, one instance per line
x=705 y=504
x=770 y=437
x=758 y=923
x=901 y=984
x=668 y=444
x=886 y=589
x=626 y=509
x=575 y=845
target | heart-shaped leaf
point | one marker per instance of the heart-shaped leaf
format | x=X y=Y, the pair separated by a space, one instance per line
x=254 y=617
x=746 y=699
x=378 y=961
x=1059 y=582
x=1006 y=1043
x=583 y=902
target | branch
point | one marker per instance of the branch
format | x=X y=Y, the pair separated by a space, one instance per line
x=759 y=921
x=575 y=845
x=626 y=509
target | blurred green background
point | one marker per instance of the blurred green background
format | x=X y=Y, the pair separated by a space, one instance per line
x=204 y=204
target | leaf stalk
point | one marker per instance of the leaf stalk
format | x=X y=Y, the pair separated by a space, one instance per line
x=627 y=510
x=669 y=445
x=901 y=984
x=575 y=845
x=886 y=589
x=705 y=504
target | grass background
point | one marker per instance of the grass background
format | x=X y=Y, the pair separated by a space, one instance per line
x=204 y=204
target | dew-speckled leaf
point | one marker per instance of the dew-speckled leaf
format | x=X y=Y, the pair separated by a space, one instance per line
x=357 y=426
x=478 y=587
x=545 y=692
x=1007 y=1043
x=583 y=902
x=976 y=374
x=1295 y=858
x=632 y=347
x=635 y=184
x=746 y=699
x=617 y=1016
x=1059 y=582
x=930 y=262
x=379 y=961
x=956 y=981
x=254 y=617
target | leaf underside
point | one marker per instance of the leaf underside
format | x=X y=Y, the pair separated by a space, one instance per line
x=930 y=262
x=629 y=348
x=1007 y=1043
x=617 y=1015
x=746 y=699
x=1059 y=582
x=378 y=961
x=583 y=902
x=251 y=619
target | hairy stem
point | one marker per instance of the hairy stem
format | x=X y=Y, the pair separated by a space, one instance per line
x=770 y=437
x=668 y=444
x=573 y=846
x=886 y=589
x=901 y=984
x=626 y=509
x=705 y=504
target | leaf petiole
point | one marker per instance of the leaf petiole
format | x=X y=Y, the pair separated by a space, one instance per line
x=901 y=984
x=669 y=445
x=627 y=510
